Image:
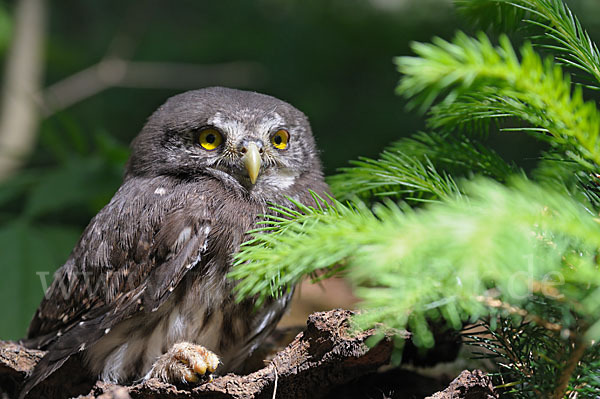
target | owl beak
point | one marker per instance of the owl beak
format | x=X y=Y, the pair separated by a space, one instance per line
x=252 y=160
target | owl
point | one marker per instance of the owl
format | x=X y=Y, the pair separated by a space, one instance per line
x=145 y=291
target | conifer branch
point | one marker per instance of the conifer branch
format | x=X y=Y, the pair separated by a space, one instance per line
x=410 y=169
x=476 y=81
x=395 y=175
x=579 y=347
x=560 y=25
x=399 y=258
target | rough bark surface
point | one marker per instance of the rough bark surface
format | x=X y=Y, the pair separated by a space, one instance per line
x=324 y=355
x=468 y=385
x=322 y=360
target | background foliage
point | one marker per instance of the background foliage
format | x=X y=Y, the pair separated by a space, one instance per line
x=332 y=59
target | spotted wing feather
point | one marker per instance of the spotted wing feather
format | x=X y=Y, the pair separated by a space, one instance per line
x=128 y=260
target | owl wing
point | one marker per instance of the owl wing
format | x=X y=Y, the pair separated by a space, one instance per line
x=129 y=259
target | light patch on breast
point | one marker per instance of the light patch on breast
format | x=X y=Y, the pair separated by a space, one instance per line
x=160 y=191
x=283 y=182
x=153 y=346
x=177 y=327
x=114 y=365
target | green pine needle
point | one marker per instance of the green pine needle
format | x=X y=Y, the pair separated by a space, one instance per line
x=409 y=169
x=477 y=80
x=441 y=259
x=554 y=17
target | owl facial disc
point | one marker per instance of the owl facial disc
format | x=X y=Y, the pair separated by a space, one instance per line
x=252 y=160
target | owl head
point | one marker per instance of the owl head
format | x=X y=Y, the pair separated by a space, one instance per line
x=242 y=138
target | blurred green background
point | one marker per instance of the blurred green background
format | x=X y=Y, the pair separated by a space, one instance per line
x=105 y=66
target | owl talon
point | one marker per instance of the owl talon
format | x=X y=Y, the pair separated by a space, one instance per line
x=190 y=377
x=184 y=362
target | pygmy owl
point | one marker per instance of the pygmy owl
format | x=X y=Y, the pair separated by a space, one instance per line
x=147 y=289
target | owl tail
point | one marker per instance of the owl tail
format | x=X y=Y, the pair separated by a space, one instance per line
x=48 y=365
x=74 y=341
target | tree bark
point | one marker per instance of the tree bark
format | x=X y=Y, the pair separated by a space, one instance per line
x=324 y=355
x=324 y=360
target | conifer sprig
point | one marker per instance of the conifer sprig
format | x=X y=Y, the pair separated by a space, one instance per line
x=476 y=80
x=559 y=24
x=530 y=357
x=466 y=247
x=569 y=177
x=408 y=169
x=395 y=175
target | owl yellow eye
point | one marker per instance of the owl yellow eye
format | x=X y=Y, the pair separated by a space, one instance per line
x=210 y=139
x=280 y=139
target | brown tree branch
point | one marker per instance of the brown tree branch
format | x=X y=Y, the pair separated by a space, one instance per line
x=469 y=385
x=114 y=71
x=321 y=357
x=324 y=360
x=577 y=352
x=21 y=84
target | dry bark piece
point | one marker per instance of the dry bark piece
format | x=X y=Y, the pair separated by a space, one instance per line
x=474 y=384
x=15 y=363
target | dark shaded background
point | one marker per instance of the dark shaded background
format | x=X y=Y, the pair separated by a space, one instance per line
x=330 y=58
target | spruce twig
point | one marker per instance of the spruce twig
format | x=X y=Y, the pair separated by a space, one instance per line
x=566 y=373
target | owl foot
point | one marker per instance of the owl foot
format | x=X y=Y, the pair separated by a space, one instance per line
x=184 y=362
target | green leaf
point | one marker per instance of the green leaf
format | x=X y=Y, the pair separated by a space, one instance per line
x=560 y=26
x=421 y=168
